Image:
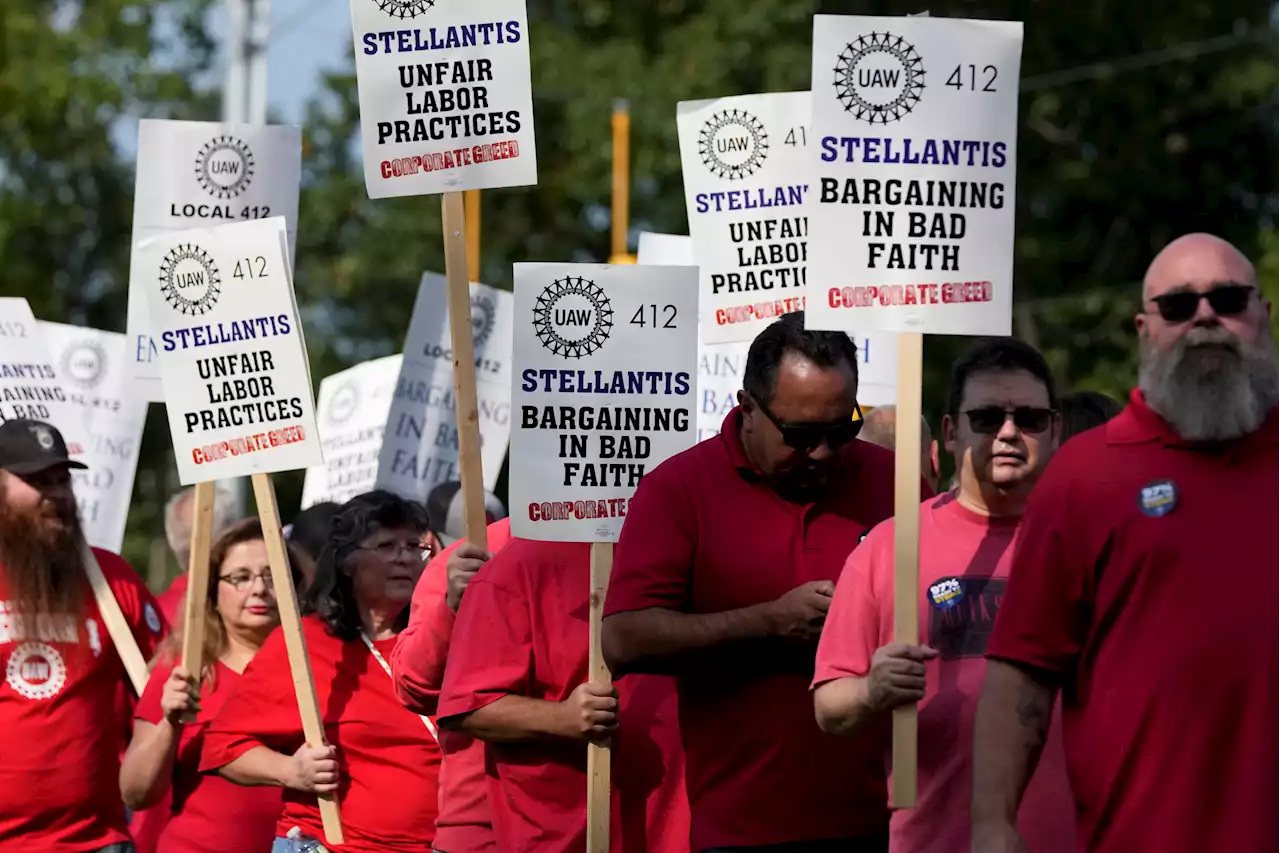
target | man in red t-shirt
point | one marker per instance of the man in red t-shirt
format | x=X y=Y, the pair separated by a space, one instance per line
x=58 y=702
x=1001 y=429
x=722 y=576
x=1144 y=586
x=517 y=679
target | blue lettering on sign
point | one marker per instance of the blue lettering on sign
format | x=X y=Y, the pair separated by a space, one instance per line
x=212 y=334
x=447 y=38
x=976 y=153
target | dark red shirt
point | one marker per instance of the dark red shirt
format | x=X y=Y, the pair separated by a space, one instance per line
x=704 y=534
x=522 y=630
x=1145 y=578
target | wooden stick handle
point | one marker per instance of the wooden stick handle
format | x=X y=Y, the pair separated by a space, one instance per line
x=473 y=234
x=197 y=584
x=598 y=756
x=464 y=369
x=906 y=553
x=295 y=641
x=117 y=626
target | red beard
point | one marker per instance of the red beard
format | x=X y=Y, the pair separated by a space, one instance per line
x=40 y=559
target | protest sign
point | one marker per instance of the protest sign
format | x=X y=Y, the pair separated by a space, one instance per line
x=745 y=164
x=911 y=193
x=29 y=383
x=194 y=174
x=420 y=447
x=233 y=360
x=93 y=367
x=604 y=391
x=446 y=103
x=352 y=408
x=721 y=366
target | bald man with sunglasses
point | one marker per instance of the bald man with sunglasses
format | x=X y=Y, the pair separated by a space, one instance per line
x=723 y=576
x=1143 y=590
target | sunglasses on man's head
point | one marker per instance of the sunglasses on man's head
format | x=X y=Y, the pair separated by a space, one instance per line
x=804 y=437
x=988 y=420
x=1226 y=300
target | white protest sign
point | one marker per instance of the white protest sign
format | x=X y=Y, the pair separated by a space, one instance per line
x=912 y=185
x=721 y=366
x=30 y=386
x=194 y=174
x=420 y=445
x=746 y=162
x=604 y=391
x=94 y=369
x=233 y=361
x=446 y=103
x=352 y=408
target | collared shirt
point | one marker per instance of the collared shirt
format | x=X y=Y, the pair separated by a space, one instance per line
x=1145 y=579
x=705 y=534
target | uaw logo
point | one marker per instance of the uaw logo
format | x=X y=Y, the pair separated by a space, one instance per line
x=36 y=671
x=343 y=403
x=84 y=363
x=405 y=8
x=189 y=279
x=44 y=437
x=733 y=144
x=879 y=78
x=483 y=313
x=573 y=317
x=224 y=167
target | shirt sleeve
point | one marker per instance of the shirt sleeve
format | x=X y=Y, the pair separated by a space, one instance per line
x=137 y=604
x=653 y=559
x=493 y=646
x=1043 y=620
x=262 y=711
x=148 y=709
x=860 y=619
x=418 y=661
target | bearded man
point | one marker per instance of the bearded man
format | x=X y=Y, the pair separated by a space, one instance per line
x=59 y=790
x=1144 y=587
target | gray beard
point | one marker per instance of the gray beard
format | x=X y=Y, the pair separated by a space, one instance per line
x=1211 y=386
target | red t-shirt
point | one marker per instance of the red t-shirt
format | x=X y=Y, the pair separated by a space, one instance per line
x=171 y=599
x=704 y=534
x=522 y=630
x=202 y=803
x=60 y=775
x=390 y=762
x=465 y=824
x=964 y=564
x=1145 y=579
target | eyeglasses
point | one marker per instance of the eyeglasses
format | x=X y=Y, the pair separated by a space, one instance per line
x=241 y=581
x=988 y=420
x=804 y=437
x=391 y=549
x=1226 y=300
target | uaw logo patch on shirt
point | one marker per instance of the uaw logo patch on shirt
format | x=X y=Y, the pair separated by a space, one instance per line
x=36 y=671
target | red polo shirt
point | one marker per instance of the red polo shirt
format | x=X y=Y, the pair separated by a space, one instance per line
x=1145 y=578
x=704 y=535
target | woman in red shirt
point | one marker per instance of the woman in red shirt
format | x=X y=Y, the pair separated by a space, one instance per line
x=383 y=762
x=164 y=754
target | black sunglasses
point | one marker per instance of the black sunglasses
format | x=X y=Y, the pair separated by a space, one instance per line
x=804 y=437
x=1226 y=300
x=989 y=419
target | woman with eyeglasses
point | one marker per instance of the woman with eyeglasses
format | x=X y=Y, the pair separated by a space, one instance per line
x=164 y=754
x=383 y=762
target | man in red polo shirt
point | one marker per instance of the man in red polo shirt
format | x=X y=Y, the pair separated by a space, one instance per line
x=59 y=789
x=1144 y=588
x=517 y=679
x=465 y=823
x=723 y=575
x=1001 y=429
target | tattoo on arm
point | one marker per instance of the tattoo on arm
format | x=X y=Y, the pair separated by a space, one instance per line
x=1033 y=707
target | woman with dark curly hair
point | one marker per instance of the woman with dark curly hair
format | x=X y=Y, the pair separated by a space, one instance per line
x=383 y=761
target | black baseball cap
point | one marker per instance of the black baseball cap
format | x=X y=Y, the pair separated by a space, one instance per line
x=29 y=447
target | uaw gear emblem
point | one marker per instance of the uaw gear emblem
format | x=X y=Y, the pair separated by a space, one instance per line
x=733 y=144
x=35 y=671
x=44 y=436
x=84 y=363
x=483 y=314
x=405 y=8
x=189 y=279
x=879 y=78
x=343 y=403
x=573 y=317
x=224 y=167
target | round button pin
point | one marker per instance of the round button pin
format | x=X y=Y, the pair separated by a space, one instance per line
x=1158 y=498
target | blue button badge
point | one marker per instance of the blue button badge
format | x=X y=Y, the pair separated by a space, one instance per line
x=946 y=593
x=1158 y=498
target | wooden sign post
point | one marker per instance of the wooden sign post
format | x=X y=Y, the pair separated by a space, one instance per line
x=197 y=584
x=472 y=199
x=599 y=756
x=621 y=201
x=117 y=626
